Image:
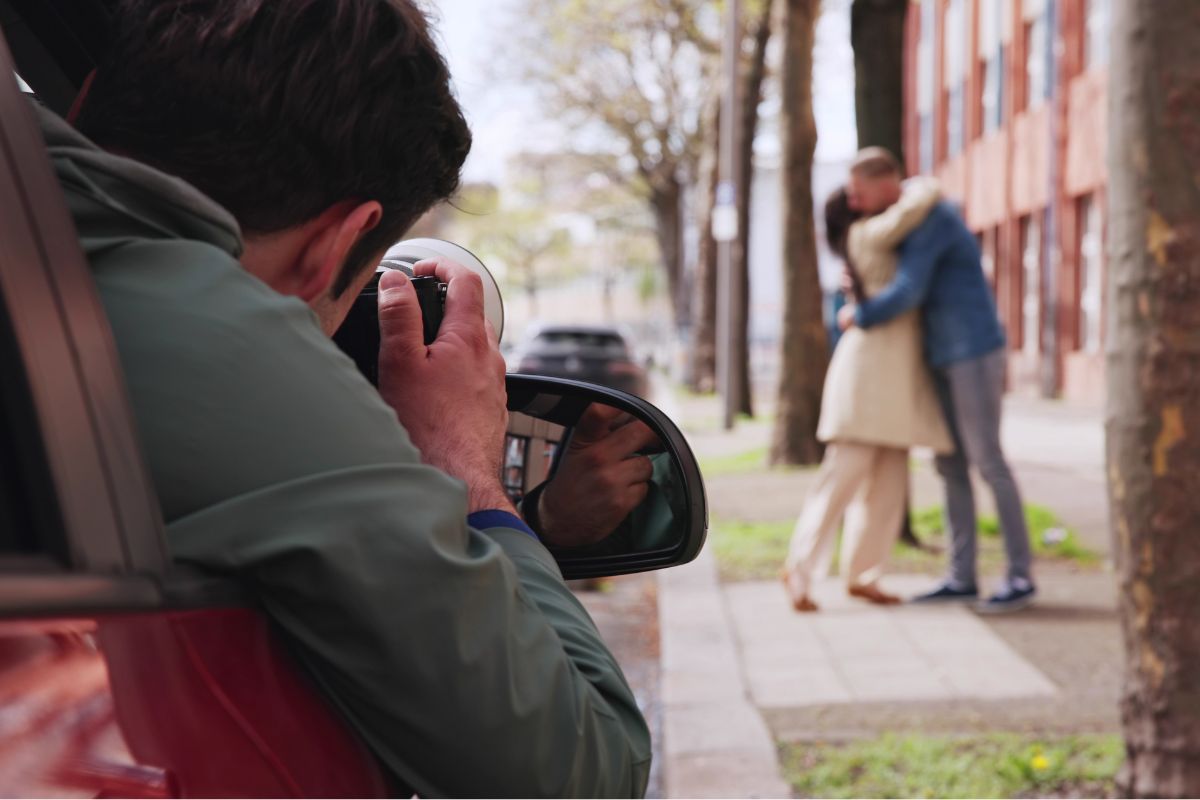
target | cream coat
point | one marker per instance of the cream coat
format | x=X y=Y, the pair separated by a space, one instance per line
x=878 y=390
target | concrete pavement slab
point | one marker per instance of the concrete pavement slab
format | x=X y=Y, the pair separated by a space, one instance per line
x=797 y=687
x=716 y=743
x=724 y=774
x=903 y=654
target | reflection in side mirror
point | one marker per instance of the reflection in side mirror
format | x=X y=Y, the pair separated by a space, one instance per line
x=607 y=481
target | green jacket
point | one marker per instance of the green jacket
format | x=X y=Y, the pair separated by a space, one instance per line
x=458 y=655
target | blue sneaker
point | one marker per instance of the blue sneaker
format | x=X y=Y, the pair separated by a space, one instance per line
x=1015 y=595
x=947 y=593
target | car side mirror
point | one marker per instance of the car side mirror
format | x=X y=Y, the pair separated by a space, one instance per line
x=606 y=479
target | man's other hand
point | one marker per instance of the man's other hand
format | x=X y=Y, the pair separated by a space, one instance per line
x=449 y=395
x=600 y=478
x=846 y=316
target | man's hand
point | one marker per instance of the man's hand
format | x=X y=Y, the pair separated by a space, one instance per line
x=846 y=316
x=449 y=395
x=600 y=478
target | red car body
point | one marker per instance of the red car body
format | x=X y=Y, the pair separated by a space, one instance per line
x=171 y=704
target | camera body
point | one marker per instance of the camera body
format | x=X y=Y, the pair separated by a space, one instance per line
x=431 y=296
x=358 y=336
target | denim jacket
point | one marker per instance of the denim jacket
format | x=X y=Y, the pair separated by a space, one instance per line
x=940 y=271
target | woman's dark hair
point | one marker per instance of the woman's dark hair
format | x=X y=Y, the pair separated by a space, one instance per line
x=839 y=216
x=280 y=110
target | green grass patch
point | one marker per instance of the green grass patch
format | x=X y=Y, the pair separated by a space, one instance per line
x=735 y=463
x=686 y=392
x=1050 y=537
x=741 y=463
x=749 y=551
x=752 y=551
x=992 y=765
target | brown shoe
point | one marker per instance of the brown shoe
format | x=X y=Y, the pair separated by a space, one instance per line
x=804 y=604
x=873 y=594
x=801 y=602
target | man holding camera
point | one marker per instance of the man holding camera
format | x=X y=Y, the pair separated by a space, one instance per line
x=246 y=165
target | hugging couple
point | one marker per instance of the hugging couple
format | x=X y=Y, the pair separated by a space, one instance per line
x=921 y=364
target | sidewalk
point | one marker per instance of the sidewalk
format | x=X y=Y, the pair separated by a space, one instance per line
x=1056 y=451
x=856 y=670
x=715 y=741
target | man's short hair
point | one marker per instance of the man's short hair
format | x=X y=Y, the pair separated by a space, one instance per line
x=280 y=110
x=875 y=162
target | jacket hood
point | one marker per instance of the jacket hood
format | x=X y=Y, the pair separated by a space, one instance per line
x=131 y=200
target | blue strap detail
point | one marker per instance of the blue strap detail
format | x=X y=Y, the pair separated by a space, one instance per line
x=482 y=520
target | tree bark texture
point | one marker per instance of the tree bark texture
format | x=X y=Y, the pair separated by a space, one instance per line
x=755 y=71
x=805 y=346
x=877 y=36
x=1153 y=415
x=668 y=229
x=703 y=373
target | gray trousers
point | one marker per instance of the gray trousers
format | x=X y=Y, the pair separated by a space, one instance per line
x=970 y=393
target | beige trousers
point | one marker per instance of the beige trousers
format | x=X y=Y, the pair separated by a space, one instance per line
x=868 y=484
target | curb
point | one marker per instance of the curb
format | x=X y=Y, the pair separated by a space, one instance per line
x=716 y=743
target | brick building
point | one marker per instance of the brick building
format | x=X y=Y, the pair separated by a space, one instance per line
x=1005 y=103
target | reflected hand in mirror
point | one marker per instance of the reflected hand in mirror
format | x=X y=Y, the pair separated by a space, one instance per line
x=603 y=475
x=605 y=480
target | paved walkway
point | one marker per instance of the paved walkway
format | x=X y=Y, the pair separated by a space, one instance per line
x=852 y=652
x=716 y=742
x=741 y=669
x=1057 y=452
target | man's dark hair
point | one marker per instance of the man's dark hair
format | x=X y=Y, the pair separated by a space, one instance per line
x=280 y=109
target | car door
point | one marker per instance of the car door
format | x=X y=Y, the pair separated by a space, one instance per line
x=120 y=674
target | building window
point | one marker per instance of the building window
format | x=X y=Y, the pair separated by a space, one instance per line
x=1091 y=275
x=1037 y=54
x=1031 y=283
x=927 y=144
x=987 y=254
x=925 y=86
x=1095 y=46
x=991 y=53
x=955 y=52
x=993 y=92
x=955 y=118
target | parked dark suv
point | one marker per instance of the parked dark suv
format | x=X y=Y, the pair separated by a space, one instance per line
x=592 y=353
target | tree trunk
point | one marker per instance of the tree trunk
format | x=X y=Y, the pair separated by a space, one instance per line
x=531 y=293
x=805 y=346
x=1153 y=416
x=668 y=227
x=751 y=97
x=703 y=373
x=877 y=36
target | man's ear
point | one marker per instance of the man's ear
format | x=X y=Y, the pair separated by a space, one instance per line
x=339 y=229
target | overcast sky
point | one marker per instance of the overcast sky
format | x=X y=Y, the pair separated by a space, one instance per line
x=505 y=119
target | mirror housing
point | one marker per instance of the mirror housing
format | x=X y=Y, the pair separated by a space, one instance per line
x=545 y=411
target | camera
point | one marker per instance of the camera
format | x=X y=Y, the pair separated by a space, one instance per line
x=358 y=336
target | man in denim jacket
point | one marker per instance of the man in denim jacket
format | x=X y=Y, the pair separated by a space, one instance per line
x=940 y=271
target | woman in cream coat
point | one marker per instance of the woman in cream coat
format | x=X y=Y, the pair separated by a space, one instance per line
x=878 y=402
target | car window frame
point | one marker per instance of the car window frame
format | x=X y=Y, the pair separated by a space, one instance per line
x=114 y=545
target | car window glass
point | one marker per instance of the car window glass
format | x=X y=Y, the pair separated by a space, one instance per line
x=29 y=523
x=583 y=339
